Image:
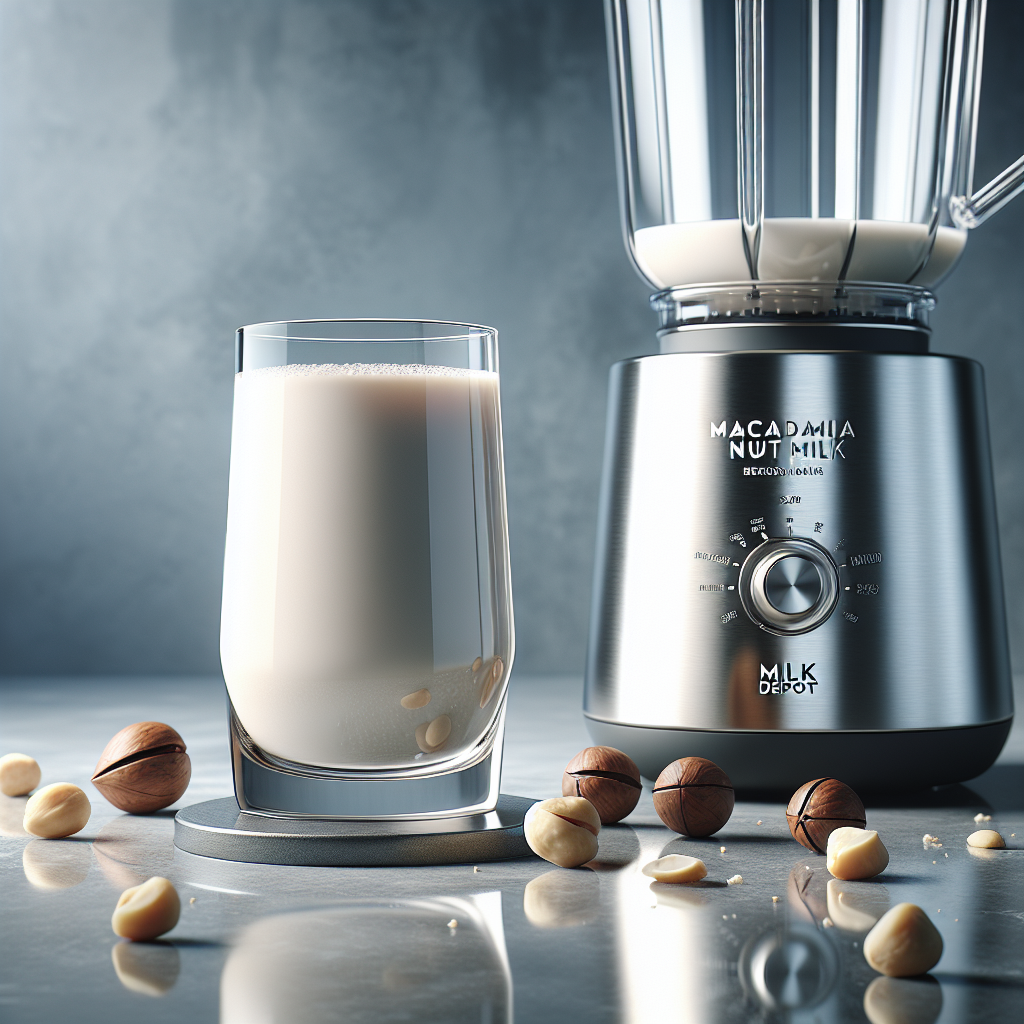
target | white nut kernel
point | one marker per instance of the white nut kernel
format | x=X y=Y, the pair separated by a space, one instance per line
x=419 y=699
x=56 y=811
x=19 y=774
x=986 y=839
x=145 y=911
x=903 y=943
x=431 y=736
x=563 y=830
x=676 y=868
x=438 y=731
x=854 y=853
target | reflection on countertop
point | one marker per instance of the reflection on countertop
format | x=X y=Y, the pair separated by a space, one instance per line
x=439 y=960
x=532 y=942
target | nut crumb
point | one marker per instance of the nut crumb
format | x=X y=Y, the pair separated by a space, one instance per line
x=192 y=900
x=721 y=849
x=476 y=870
x=930 y=840
x=945 y=855
x=775 y=899
x=453 y=924
x=760 y=822
x=826 y=922
x=982 y=817
x=725 y=917
x=935 y=862
x=735 y=880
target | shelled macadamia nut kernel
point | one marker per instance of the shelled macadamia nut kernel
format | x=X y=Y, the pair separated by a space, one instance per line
x=145 y=911
x=418 y=699
x=676 y=868
x=563 y=830
x=986 y=839
x=856 y=853
x=903 y=943
x=57 y=811
x=19 y=774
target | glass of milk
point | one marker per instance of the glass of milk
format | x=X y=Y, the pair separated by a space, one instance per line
x=366 y=627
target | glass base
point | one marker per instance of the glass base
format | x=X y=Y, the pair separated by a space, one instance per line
x=267 y=787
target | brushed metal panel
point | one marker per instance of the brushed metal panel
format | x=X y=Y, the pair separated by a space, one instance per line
x=895 y=484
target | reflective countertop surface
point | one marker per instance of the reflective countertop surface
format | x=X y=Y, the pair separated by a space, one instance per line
x=261 y=944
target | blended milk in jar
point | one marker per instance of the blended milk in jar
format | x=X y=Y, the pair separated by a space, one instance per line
x=363 y=625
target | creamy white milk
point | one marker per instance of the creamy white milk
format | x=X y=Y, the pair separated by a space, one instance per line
x=797 y=249
x=364 y=561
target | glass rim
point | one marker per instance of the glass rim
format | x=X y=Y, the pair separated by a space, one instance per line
x=463 y=331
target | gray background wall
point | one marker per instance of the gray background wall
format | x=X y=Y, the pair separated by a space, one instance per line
x=170 y=169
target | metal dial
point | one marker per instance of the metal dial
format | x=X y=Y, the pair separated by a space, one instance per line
x=789 y=585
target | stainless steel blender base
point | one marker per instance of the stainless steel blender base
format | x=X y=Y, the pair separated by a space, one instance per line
x=866 y=761
x=797 y=567
x=217 y=828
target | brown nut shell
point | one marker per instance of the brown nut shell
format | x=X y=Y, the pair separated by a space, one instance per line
x=143 y=768
x=694 y=797
x=821 y=806
x=606 y=777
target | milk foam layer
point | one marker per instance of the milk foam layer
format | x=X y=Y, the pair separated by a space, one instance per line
x=798 y=249
x=363 y=560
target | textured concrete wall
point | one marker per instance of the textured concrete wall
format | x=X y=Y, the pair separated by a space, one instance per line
x=170 y=169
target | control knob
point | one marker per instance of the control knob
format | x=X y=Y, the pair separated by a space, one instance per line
x=789 y=585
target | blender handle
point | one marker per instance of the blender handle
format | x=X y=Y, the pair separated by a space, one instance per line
x=970 y=211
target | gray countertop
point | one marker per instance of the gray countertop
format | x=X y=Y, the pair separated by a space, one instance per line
x=537 y=943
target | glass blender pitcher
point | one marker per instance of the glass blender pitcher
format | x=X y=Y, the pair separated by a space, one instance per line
x=802 y=141
x=797 y=570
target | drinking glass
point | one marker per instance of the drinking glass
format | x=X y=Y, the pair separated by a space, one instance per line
x=366 y=627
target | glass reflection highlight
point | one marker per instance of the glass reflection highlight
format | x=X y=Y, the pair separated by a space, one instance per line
x=856 y=906
x=51 y=864
x=903 y=1000
x=375 y=962
x=149 y=968
x=562 y=899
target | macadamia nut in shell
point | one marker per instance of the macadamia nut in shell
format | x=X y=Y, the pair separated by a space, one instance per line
x=694 y=797
x=563 y=830
x=821 y=806
x=903 y=943
x=57 y=811
x=145 y=911
x=855 y=853
x=606 y=777
x=19 y=774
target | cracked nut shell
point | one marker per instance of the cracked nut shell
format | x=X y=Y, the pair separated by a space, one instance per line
x=606 y=777
x=694 y=797
x=143 y=768
x=821 y=806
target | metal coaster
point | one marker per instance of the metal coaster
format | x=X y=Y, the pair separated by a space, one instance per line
x=217 y=828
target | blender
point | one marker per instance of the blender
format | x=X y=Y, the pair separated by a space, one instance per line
x=797 y=568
